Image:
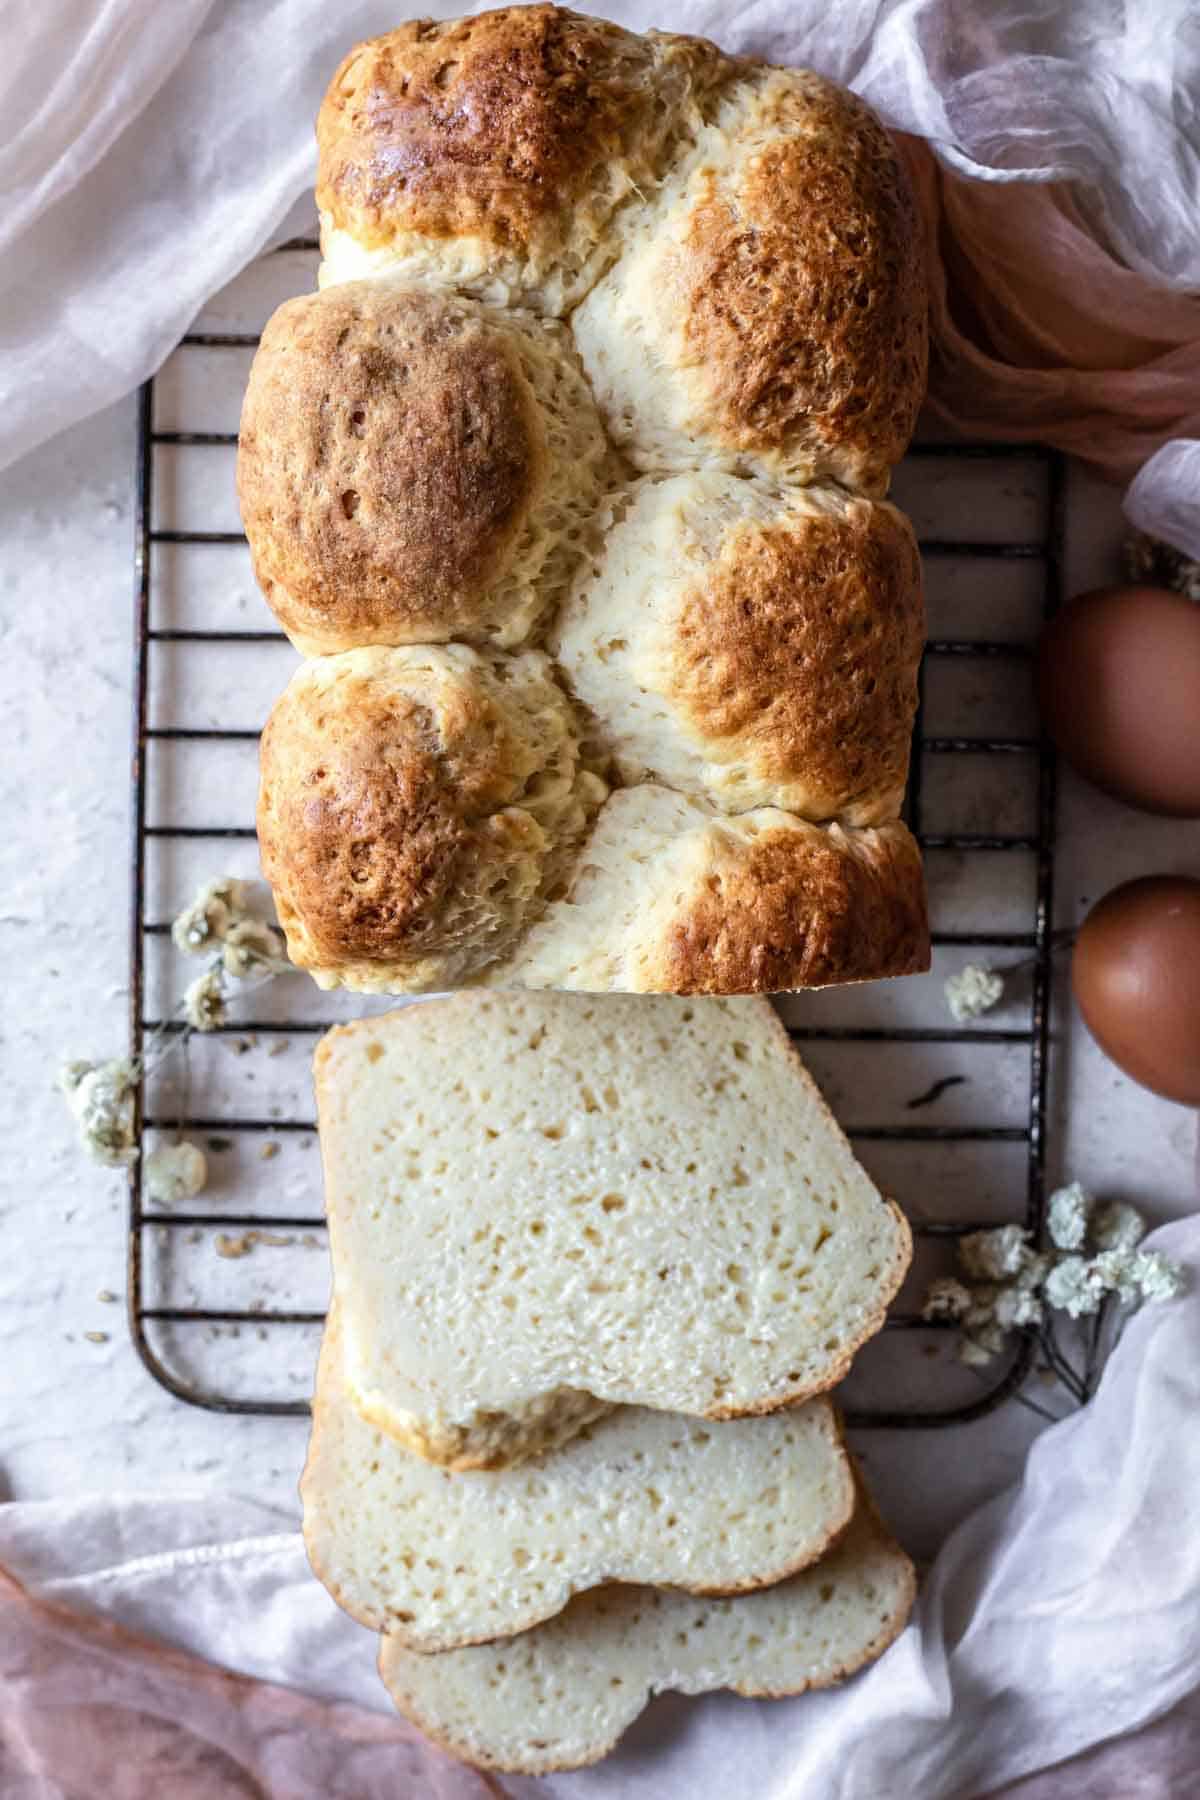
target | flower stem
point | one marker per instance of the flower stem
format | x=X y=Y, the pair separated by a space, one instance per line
x=1043 y=1412
x=1091 y=1374
x=1032 y=1405
x=1070 y=1379
x=1061 y=939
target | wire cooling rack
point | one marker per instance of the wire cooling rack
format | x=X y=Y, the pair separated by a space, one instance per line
x=225 y=1299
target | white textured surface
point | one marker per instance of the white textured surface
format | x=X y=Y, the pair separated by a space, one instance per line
x=80 y=1415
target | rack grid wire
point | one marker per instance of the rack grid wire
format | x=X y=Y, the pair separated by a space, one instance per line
x=1033 y=1036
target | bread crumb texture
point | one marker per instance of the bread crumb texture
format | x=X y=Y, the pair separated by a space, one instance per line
x=562 y=1694
x=587 y=1184
x=445 y=1559
x=616 y=342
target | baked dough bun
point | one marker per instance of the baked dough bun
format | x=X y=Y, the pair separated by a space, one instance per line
x=753 y=646
x=767 y=310
x=413 y=468
x=617 y=340
x=491 y=153
x=413 y=804
x=667 y=897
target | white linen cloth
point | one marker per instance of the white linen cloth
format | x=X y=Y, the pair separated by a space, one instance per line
x=149 y=151
x=1064 y=1612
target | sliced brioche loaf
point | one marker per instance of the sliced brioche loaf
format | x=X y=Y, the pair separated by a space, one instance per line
x=562 y=1694
x=541 y=1205
x=447 y=1559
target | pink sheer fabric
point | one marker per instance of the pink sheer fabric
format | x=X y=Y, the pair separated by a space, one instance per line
x=1159 y=1763
x=1039 y=333
x=87 y=1708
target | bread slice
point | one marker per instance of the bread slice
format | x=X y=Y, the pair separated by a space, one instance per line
x=443 y=1560
x=541 y=1205
x=562 y=1694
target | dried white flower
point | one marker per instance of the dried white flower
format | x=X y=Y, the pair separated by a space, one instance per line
x=972 y=991
x=1117 y=1226
x=980 y=1311
x=1016 y=1306
x=1149 y=559
x=994 y=1255
x=946 y=1299
x=981 y=1342
x=174 y=1172
x=252 y=947
x=1070 y=1288
x=1067 y=1219
x=1158 y=1276
x=1035 y=1267
x=1113 y=1273
x=218 y=907
x=100 y=1095
x=204 y=1001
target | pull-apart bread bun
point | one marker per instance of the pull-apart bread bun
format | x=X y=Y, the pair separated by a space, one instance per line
x=412 y=805
x=444 y=1558
x=617 y=340
x=490 y=154
x=667 y=897
x=413 y=468
x=767 y=310
x=544 y=1205
x=753 y=646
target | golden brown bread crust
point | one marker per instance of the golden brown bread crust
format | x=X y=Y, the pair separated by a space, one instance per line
x=511 y=126
x=807 y=303
x=401 y=449
x=796 y=907
x=390 y=817
x=390 y=453
x=802 y=644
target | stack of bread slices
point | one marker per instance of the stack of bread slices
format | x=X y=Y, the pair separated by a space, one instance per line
x=597 y=1263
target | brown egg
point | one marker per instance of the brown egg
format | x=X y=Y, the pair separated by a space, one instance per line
x=1119 y=690
x=1136 y=975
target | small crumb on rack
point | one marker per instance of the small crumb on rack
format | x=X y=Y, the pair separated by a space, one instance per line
x=96 y=1337
x=233 y=1247
x=107 y=1296
x=279 y=1046
x=268 y=1151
